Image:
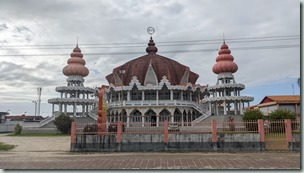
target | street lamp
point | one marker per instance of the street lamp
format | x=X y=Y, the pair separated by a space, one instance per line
x=35 y=106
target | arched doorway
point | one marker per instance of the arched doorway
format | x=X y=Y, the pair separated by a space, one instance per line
x=150 y=118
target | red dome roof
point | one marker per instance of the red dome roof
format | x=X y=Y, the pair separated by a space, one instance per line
x=76 y=64
x=224 y=61
x=175 y=72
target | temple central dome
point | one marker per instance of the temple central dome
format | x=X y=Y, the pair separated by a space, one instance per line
x=151 y=68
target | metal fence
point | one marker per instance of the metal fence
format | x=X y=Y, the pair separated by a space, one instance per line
x=159 y=128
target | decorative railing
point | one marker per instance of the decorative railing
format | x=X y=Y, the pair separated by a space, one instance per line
x=49 y=119
x=93 y=114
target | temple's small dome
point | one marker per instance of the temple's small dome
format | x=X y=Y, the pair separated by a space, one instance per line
x=76 y=64
x=224 y=61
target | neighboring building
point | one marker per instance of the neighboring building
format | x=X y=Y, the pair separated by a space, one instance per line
x=2 y=117
x=225 y=97
x=24 y=118
x=152 y=88
x=287 y=102
x=74 y=95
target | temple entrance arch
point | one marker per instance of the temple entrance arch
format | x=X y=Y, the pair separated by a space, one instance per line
x=135 y=116
x=150 y=117
x=164 y=115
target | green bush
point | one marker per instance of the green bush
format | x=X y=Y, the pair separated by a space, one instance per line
x=18 y=129
x=280 y=115
x=63 y=123
x=252 y=116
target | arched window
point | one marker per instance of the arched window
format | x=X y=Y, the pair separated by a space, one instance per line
x=135 y=116
x=164 y=93
x=164 y=115
x=150 y=95
x=135 y=93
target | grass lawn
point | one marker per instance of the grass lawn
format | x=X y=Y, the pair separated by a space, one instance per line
x=6 y=147
x=38 y=134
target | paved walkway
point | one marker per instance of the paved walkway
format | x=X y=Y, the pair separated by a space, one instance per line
x=52 y=153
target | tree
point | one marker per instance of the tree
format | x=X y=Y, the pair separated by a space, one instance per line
x=250 y=118
x=63 y=123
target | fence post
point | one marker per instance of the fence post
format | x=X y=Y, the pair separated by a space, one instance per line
x=73 y=135
x=214 y=134
x=118 y=136
x=262 y=133
x=166 y=137
x=288 y=132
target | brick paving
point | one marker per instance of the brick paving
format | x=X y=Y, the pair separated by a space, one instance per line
x=52 y=153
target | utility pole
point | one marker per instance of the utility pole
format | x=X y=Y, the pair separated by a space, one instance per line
x=39 y=99
x=35 y=107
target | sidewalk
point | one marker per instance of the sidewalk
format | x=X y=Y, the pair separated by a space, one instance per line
x=52 y=153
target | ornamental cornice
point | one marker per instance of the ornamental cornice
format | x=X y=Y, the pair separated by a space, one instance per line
x=222 y=86
x=75 y=88
x=71 y=100
x=155 y=87
x=229 y=98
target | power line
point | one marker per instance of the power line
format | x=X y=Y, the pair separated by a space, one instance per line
x=168 y=51
x=163 y=45
x=249 y=39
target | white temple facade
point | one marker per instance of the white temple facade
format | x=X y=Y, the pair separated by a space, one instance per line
x=153 y=88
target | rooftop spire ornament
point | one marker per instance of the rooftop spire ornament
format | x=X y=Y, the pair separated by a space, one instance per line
x=150 y=30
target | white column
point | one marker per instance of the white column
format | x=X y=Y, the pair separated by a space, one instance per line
x=235 y=108
x=190 y=96
x=65 y=108
x=216 y=108
x=157 y=120
x=182 y=119
x=74 y=110
x=171 y=94
x=210 y=107
x=128 y=119
x=157 y=97
x=65 y=95
x=61 y=95
x=172 y=118
x=241 y=109
x=128 y=95
x=225 y=111
x=60 y=107
x=142 y=120
x=83 y=108
x=142 y=95
x=182 y=96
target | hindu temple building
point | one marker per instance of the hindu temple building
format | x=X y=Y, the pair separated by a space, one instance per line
x=225 y=98
x=153 y=88
x=75 y=100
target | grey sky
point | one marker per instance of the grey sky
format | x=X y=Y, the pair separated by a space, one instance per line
x=34 y=22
